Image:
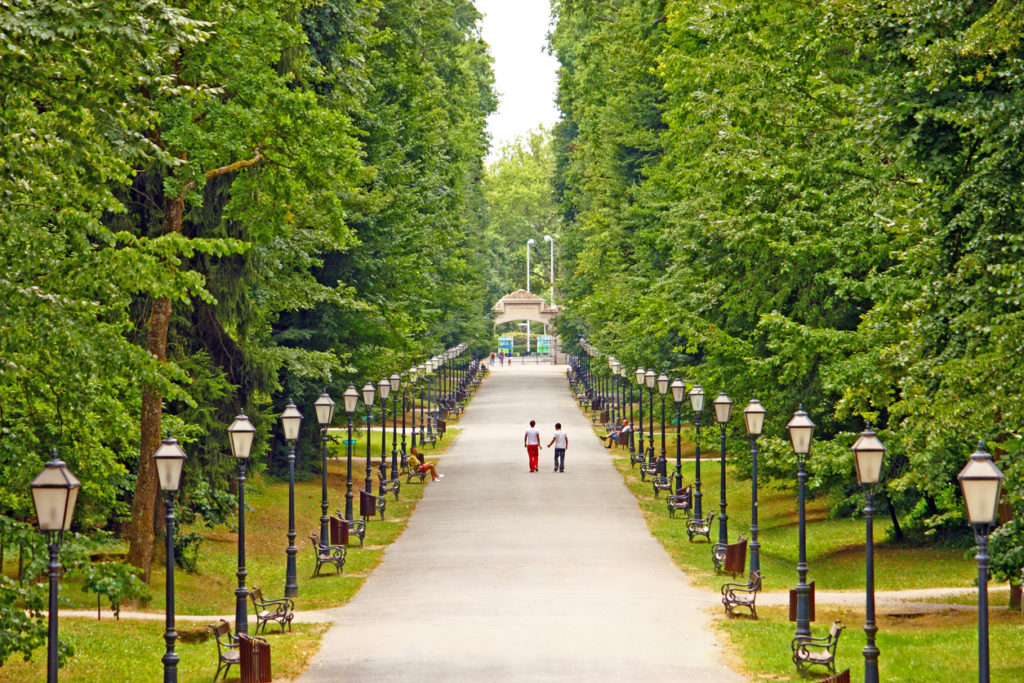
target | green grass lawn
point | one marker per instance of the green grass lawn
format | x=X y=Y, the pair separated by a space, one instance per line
x=932 y=647
x=131 y=650
x=835 y=547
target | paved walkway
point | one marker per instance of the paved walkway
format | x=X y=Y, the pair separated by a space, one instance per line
x=504 y=575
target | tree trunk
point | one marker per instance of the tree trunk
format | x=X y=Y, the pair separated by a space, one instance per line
x=897 y=530
x=140 y=529
x=1014 y=596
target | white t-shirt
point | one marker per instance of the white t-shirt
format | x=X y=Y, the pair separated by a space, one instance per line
x=532 y=437
x=561 y=440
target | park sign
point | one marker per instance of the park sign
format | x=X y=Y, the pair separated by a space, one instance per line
x=543 y=344
x=505 y=344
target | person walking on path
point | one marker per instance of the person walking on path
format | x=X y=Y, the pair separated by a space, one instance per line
x=532 y=442
x=561 y=442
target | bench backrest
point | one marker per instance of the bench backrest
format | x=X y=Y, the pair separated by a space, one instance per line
x=834 y=631
x=755 y=580
x=256 y=594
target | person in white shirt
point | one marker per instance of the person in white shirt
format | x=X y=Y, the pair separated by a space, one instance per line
x=532 y=442
x=561 y=442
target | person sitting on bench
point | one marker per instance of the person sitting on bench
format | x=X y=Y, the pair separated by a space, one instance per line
x=415 y=464
x=618 y=435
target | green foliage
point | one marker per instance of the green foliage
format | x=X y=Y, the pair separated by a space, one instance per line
x=116 y=580
x=813 y=202
x=1007 y=547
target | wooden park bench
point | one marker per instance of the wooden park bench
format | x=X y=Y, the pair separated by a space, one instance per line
x=281 y=610
x=648 y=469
x=682 y=499
x=411 y=472
x=636 y=458
x=661 y=483
x=700 y=527
x=742 y=594
x=341 y=530
x=428 y=436
x=227 y=647
x=327 y=554
x=370 y=505
x=809 y=651
x=389 y=486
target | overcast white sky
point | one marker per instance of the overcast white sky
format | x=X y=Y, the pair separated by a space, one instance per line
x=525 y=75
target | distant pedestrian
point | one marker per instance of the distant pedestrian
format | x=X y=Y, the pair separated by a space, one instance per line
x=532 y=442
x=561 y=442
x=492 y=357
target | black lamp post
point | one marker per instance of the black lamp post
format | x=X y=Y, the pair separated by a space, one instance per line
x=753 y=418
x=54 y=493
x=384 y=389
x=170 y=461
x=291 y=421
x=423 y=375
x=650 y=379
x=662 y=389
x=431 y=367
x=723 y=411
x=396 y=384
x=632 y=426
x=981 y=481
x=351 y=399
x=641 y=375
x=801 y=429
x=324 y=406
x=868 y=453
x=678 y=394
x=241 y=433
x=697 y=405
x=412 y=381
x=369 y=394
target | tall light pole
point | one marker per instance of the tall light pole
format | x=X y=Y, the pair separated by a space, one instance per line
x=54 y=494
x=551 y=241
x=641 y=375
x=351 y=399
x=662 y=389
x=170 y=461
x=423 y=372
x=384 y=389
x=697 y=405
x=324 y=406
x=868 y=453
x=241 y=433
x=753 y=419
x=291 y=421
x=980 y=481
x=396 y=383
x=801 y=429
x=369 y=394
x=529 y=244
x=678 y=394
x=650 y=379
x=723 y=411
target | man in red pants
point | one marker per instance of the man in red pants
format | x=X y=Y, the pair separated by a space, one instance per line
x=532 y=442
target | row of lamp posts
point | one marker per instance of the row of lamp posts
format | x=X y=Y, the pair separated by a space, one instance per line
x=55 y=493
x=980 y=480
